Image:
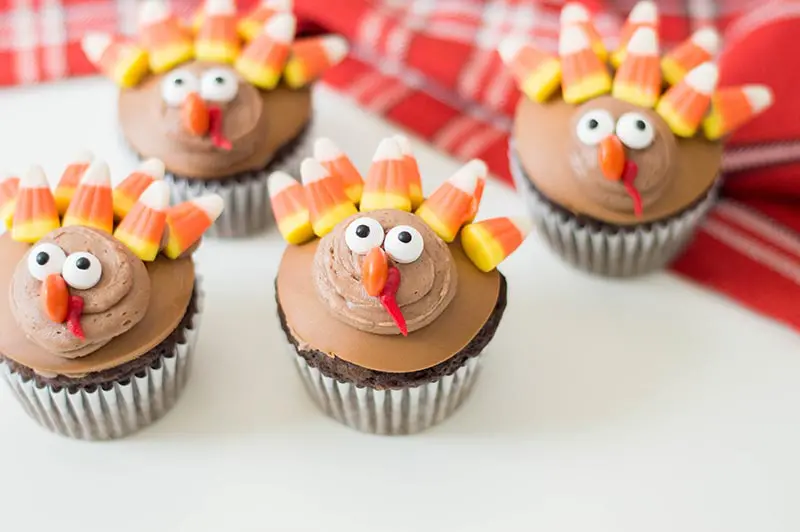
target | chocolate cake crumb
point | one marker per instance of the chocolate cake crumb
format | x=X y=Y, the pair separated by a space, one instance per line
x=339 y=369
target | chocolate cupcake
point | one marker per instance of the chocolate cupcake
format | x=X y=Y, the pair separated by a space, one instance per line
x=100 y=316
x=617 y=176
x=222 y=104
x=388 y=313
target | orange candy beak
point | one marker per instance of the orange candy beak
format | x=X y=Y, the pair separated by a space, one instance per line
x=611 y=156
x=194 y=114
x=55 y=298
x=375 y=271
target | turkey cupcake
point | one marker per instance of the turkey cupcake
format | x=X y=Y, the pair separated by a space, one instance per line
x=101 y=310
x=222 y=104
x=617 y=170
x=388 y=301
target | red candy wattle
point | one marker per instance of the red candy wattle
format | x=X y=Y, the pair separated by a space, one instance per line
x=389 y=300
x=74 y=317
x=215 y=128
x=629 y=174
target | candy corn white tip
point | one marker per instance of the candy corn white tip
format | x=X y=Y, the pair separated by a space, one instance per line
x=97 y=174
x=643 y=42
x=220 y=7
x=573 y=39
x=156 y=196
x=573 y=13
x=153 y=11
x=311 y=171
x=510 y=47
x=153 y=167
x=34 y=178
x=478 y=167
x=644 y=12
x=212 y=205
x=278 y=182
x=82 y=157
x=325 y=150
x=387 y=150
x=278 y=5
x=336 y=47
x=94 y=45
x=281 y=27
x=523 y=224
x=708 y=39
x=703 y=78
x=404 y=143
x=759 y=96
x=466 y=178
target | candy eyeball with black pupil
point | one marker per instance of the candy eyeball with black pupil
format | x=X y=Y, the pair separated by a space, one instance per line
x=219 y=85
x=635 y=131
x=363 y=234
x=177 y=85
x=594 y=126
x=45 y=260
x=82 y=271
x=404 y=244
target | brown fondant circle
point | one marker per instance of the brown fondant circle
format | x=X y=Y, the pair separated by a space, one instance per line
x=171 y=281
x=256 y=122
x=543 y=135
x=312 y=324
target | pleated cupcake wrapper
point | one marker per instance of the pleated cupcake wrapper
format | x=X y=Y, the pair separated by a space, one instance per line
x=247 y=208
x=390 y=412
x=622 y=252
x=119 y=410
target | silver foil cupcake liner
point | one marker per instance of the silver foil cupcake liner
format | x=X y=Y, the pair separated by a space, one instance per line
x=112 y=411
x=247 y=208
x=389 y=412
x=611 y=252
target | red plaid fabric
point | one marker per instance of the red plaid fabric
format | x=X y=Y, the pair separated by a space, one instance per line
x=430 y=66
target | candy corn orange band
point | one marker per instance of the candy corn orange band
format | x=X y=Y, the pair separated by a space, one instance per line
x=35 y=214
x=167 y=44
x=8 y=195
x=92 y=207
x=127 y=193
x=217 y=39
x=67 y=185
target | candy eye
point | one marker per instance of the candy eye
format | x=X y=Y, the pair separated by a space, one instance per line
x=635 y=131
x=44 y=260
x=404 y=244
x=176 y=85
x=594 y=126
x=219 y=85
x=82 y=271
x=363 y=234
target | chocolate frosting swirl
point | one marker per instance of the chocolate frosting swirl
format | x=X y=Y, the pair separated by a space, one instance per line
x=112 y=307
x=427 y=285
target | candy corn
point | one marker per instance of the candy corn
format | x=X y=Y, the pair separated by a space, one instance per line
x=538 y=74
x=161 y=34
x=734 y=106
x=490 y=242
x=638 y=79
x=480 y=169
x=327 y=202
x=250 y=25
x=643 y=14
x=9 y=186
x=261 y=63
x=683 y=106
x=289 y=206
x=188 y=221
x=92 y=205
x=387 y=183
x=70 y=179
x=339 y=165
x=575 y=14
x=701 y=47
x=451 y=204
x=412 y=171
x=127 y=193
x=310 y=58
x=118 y=58
x=142 y=229
x=35 y=212
x=584 y=76
x=217 y=39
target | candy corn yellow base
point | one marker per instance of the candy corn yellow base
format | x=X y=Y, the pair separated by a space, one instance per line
x=7 y=215
x=216 y=52
x=131 y=69
x=122 y=204
x=31 y=232
x=600 y=51
x=543 y=82
x=673 y=73
x=63 y=196
x=354 y=193
x=482 y=248
x=249 y=29
x=588 y=88
x=373 y=201
x=146 y=251
x=633 y=94
x=617 y=58
x=415 y=192
x=296 y=229
x=163 y=60
x=258 y=75
x=713 y=126
x=436 y=224
x=677 y=124
x=295 y=74
x=326 y=223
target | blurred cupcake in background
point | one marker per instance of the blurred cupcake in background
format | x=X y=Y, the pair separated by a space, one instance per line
x=222 y=103
x=387 y=299
x=617 y=171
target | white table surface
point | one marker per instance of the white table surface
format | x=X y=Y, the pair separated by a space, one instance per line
x=648 y=405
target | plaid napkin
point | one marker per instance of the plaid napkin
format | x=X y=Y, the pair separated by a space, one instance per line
x=430 y=66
